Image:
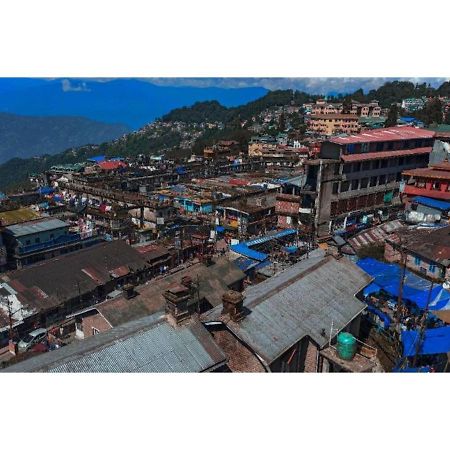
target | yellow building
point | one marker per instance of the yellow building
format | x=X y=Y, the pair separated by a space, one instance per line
x=333 y=123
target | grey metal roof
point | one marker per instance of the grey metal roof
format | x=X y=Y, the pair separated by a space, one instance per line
x=298 y=302
x=36 y=226
x=145 y=345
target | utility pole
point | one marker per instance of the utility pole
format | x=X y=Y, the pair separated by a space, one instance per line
x=402 y=282
x=422 y=325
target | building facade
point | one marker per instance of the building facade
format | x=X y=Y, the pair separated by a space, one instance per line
x=330 y=124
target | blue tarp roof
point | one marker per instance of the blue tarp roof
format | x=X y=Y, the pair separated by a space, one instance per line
x=242 y=249
x=271 y=237
x=245 y=263
x=291 y=248
x=415 y=289
x=263 y=264
x=45 y=190
x=98 y=158
x=220 y=228
x=432 y=203
x=435 y=341
x=180 y=170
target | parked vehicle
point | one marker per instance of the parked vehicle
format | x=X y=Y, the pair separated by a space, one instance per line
x=34 y=337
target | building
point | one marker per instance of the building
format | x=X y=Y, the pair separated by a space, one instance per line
x=413 y=104
x=424 y=251
x=287 y=209
x=431 y=182
x=358 y=174
x=283 y=324
x=371 y=109
x=30 y=242
x=248 y=215
x=329 y=124
x=46 y=292
x=152 y=344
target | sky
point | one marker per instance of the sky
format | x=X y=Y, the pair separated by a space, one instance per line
x=314 y=85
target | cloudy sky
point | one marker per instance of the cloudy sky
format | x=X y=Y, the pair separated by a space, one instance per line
x=310 y=85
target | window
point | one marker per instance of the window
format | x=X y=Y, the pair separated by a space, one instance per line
x=364 y=183
x=356 y=167
x=384 y=163
x=52 y=236
x=432 y=267
x=366 y=165
x=345 y=186
x=390 y=145
x=417 y=261
x=335 y=188
x=379 y=146
x=376 y=164
x=436 y=185
x=382 y=179
x=27 y=242
x=373 y=181
x=355 y=184
x=401 y=161
x=95 y=331
x=37 y=240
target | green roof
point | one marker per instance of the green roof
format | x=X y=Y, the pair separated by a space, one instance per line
x=17 y=216
x=440 y=128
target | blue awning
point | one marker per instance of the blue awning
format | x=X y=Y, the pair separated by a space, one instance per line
x=432 y=203
x=271 y=237
x=433 y=342
x=220 y=228
x=243 y=250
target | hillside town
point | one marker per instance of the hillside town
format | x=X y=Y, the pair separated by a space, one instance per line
x=319 y=244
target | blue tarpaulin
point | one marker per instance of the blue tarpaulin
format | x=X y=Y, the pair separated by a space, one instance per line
x=415 y=289
x=290 y=249
x=383 y=316
x=97 y=159
x=242 y=249
x=220 y=228
x=432 y=203
x=46 y=190
x=433 y=342
x=245 y=263
x=180 y=170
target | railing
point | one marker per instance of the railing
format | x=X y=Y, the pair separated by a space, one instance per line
x=61 y=240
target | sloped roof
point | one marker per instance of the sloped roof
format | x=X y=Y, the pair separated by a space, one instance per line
x=17 y=216
x=147 y=345
x=36 y=226
x=297 y=302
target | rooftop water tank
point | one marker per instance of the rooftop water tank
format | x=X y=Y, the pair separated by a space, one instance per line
x=346 y=346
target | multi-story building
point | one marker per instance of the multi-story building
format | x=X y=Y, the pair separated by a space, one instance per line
x=362 y=173
x=29 y=242
x=287 y=209
x=371 y=109
x=322 y=107
x=330 y=124
x=413 y=104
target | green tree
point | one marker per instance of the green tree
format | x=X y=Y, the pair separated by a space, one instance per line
x=392 y=117
x=347 y=105
x=281 y=122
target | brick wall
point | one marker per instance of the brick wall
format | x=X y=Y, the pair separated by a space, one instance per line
x=96 y=321
x=311 y=357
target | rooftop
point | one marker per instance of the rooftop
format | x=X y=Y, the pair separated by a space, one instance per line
x=17 y=216
x=147 y=345
x=37 y=226
x=297 y=302
x=387 y=154
x=385 y=134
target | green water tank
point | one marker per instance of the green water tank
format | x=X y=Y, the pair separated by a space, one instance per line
x=346 y=346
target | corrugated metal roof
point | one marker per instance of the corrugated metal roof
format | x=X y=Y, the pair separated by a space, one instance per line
x=146 y=345
x=36 y=226
x=298 y=302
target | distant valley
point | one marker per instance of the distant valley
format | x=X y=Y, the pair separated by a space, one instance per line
x=27 y=136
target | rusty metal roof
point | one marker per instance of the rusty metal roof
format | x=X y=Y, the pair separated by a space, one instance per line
x=147 y=345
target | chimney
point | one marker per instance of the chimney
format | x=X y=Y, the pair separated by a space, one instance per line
x=128 y=291
x=177 y=297
x=233 y=304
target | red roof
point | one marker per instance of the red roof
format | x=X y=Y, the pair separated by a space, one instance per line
x=111 y=165
x=383 y=155
x=385 y=134
x=428 y=172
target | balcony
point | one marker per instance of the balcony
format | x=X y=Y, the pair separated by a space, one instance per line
x=61 y=241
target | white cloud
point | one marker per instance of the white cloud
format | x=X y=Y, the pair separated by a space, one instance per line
x=311 y=85
x=68 y=86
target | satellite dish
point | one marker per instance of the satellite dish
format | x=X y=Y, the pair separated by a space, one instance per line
x=446 y=285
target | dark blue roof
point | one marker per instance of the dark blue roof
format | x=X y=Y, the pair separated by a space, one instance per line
x=271 y=237
x=432 y=203
x=434 y=341
x=245 y=263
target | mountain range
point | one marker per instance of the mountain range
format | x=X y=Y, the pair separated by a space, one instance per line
x=131 y=102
